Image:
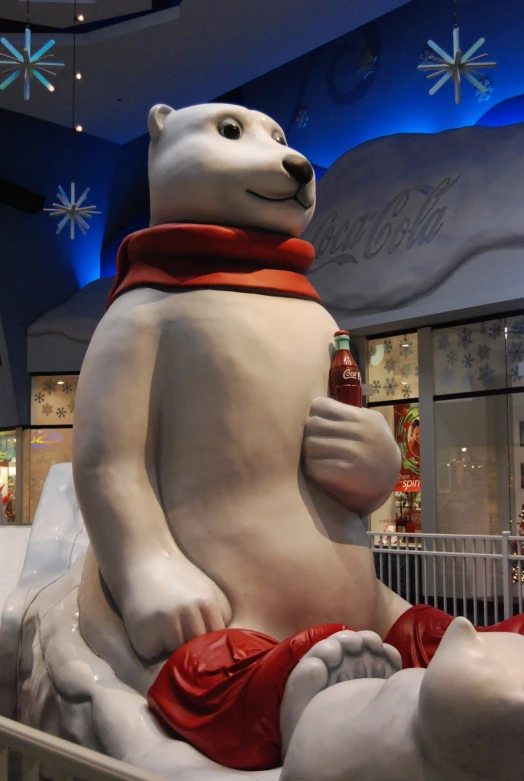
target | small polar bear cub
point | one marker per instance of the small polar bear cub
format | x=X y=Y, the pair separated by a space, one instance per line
x=248 y=184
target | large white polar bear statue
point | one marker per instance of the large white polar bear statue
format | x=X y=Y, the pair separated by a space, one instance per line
x=223 y=492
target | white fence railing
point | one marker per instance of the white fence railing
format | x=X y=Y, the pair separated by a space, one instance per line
x=480 y=577
x=27 y=754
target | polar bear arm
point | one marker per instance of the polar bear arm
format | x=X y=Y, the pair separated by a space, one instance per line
x=114 y=430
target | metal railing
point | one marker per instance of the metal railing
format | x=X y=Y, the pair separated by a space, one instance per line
x=480 y=577
x=26 y=754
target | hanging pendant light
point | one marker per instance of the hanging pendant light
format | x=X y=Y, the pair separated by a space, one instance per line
x=457 y=65
x=69 y=208
x=23 y=63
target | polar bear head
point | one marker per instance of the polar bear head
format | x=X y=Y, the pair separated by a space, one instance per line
x=226 y=165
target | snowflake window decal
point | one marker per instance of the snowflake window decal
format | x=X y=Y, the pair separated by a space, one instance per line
x=452 y=357
x=71 y=406
x=483 y=352
x=47 y=409
x=23 y=63
x=467 y=361
x=387 y=346
x=443 y=341
x=406 y=391
x=39 y=397
x=486 y=375
x=67 y=387
x=390 y=364
x=465 y=337
x=50 y=386
x=516 y=352
x=494 y=330
x=61 y=412
x=514 y=374
x=405 y=370
x=390 y=386
x=376 y=387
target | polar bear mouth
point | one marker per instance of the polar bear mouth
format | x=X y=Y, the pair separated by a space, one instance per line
x=282 y=200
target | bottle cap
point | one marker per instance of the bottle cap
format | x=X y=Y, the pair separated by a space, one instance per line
x=341 y=333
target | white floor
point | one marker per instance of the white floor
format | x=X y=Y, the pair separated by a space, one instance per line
x=13 y=544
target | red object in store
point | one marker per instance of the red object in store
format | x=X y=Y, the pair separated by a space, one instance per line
x=222 y=692
x=344 y=376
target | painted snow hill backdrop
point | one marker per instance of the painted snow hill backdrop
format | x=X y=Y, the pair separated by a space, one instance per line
x=418 y=223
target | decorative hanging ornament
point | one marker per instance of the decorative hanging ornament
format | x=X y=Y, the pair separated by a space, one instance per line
x=458 y=65
x=28 y=65
x=69 y=208
x=72 y=210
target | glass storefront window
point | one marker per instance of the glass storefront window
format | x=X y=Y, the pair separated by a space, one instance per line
x=42 y=449
x=470 y=358
x=472 y=465
x=392 y=367
x=53 y=400
x=7 y=476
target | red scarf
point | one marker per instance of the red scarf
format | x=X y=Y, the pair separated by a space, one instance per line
x=209 y=256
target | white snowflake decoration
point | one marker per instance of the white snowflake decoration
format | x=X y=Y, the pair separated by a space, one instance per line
x=28 y=65
x=302 y=117
x=456 y=66
x=72 y=210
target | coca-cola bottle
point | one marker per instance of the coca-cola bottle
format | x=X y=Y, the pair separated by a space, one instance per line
x=344 y=376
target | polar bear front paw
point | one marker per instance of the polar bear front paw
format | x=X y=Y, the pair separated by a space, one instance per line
x=344 y=656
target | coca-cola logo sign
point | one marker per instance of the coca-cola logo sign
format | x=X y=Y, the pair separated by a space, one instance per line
x=413 y=217
x=397 y=216
x=349 y=374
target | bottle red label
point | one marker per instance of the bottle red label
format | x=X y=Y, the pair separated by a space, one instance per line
x=344 y=376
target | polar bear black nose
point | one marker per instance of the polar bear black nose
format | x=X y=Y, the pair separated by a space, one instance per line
x=299 y=168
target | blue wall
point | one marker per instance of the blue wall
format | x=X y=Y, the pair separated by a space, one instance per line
x=39 y=270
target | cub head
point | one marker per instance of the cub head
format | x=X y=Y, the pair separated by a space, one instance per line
x=226 y=165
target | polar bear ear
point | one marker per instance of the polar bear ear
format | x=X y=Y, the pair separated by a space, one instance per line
x=156 y=119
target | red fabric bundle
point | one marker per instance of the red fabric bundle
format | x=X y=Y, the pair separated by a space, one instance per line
x=212 y=256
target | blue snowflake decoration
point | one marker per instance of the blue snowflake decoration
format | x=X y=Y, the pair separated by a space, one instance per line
x=516 y=352
x=486 y=375
x=447 y=376
x=443 y=341
x=302 y=117
x=61 y=413
x=514 y=374
x=390 y=364
x=28 y=65
x=406 y=391
x=483 y=352
x=50 y=386
x=494 y=330
x=67 y=387
x=406 y=349
x=488 y=89
x=387 y=346
x=452 y=358
x=405 y=370
x=465 y=337
x=376 y=387
x=39 y=397
x=467 y=361
x=390 y=386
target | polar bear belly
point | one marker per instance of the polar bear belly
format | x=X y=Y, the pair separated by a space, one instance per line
x=239 y=374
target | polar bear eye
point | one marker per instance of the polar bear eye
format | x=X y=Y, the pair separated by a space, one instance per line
x=279 y=138
x=231 y=129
